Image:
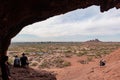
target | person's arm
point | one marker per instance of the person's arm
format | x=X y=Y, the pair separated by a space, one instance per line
x=27 y=62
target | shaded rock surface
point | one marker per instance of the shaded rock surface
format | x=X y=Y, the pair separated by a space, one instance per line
x=31 y=74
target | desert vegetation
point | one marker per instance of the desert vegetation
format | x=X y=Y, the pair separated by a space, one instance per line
x=53 y=54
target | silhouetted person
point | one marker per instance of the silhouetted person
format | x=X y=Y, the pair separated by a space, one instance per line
x=17 y=61
x=5 y=68
x=24 y=60
x=102 y=62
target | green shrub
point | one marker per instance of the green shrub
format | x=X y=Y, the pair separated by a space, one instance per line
x=10 y=60
x=68 y=55
x=44 y=65
x=89 y=58
x=58 y=61
x=81 y=53
x=34 y=64
x=65 y=64
x=98 y=55
x=61 y=63
x=68 y=51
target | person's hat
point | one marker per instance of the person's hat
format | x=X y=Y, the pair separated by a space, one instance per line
x=23 y=53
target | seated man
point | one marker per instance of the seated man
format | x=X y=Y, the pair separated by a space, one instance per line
x=24 y=60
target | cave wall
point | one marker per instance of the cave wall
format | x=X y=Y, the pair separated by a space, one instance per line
x=16 y=14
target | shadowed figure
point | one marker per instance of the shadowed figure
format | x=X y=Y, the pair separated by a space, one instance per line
x=5 y=68
x=102 y=62
x=24 y=61
x=17 y=61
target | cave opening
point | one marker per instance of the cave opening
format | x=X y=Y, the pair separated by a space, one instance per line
x=14 y=15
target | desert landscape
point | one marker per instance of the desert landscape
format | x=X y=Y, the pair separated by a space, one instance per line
x=67 y=60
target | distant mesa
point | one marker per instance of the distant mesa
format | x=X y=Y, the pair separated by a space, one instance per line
x=94 y=40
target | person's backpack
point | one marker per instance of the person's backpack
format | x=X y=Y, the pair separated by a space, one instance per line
x=17 y=62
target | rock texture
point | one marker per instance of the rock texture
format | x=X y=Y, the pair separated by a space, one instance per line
x=30 y=74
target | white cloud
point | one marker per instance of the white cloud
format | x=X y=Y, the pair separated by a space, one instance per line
x=96 y=23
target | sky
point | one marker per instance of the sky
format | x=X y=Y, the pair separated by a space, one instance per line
x=78 y=25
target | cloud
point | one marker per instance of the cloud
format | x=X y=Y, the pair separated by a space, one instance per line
x=81 y=22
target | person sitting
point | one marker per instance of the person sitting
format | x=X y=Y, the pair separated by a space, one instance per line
x=17 y=61
x=102 y=62
x=24 y=60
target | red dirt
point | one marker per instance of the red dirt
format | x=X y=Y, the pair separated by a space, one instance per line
x=92 y=70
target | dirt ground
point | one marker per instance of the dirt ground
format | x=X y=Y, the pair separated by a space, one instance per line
x=92 y=70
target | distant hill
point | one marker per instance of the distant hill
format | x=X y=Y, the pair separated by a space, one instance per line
x=94 y=40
